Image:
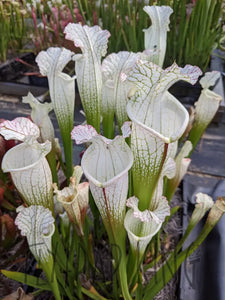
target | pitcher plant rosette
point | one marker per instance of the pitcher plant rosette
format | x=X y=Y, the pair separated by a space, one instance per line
x=137 y=141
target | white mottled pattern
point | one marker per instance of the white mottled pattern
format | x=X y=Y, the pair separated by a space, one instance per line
x=169 y=171
x=209 y=79
x=115 y=68
x=104 y=160
x=206 y=108
x=126 y=129
x=30 y=172
x=204 y=200
x=141 y=226
x=203 y=203
x=106 y=164
x=93 y=43
x=40 y=117
x=83 y=133
x=111 y=200
x=158 y=118
x=156 y=34
x=20 y=129
x=148 y=151
x=61 y=85
x=183 y=153
x=37 y=224
x=74 y=198
x=152 y=105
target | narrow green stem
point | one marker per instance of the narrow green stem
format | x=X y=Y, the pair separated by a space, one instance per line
x=130 y=189
x=117 y=237
x=48 y=268
x=122 y=271
x=79 y=267
x=72 y=248
x=59 y=252
x=195 y=135
x=160 y=171
x=88 y=251
x=63 y=285
x=139 y=290
x=68 y=151
x=115 y=289
x=170 y=190
x=97 y=226
x=52 y=163
x=108 y=125
x=133 y=267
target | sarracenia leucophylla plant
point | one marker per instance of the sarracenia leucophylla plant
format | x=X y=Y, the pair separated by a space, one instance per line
x=146 y=161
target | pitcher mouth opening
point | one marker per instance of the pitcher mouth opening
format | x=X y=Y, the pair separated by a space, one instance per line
x=104 y=184
x=177 y=132
x=11 y=164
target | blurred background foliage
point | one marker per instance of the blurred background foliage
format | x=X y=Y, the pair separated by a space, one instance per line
x=196 y=26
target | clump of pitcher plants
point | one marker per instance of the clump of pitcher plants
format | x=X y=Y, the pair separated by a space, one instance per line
x=137 y=150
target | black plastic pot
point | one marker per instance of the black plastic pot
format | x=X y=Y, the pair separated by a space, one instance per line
x=38 y=81
x=186 y=93
x=13 y=80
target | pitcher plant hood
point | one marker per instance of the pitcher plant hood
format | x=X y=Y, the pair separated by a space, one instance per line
x=93 y=43
x=37 y=224
x=26 y=162
x=105 y=164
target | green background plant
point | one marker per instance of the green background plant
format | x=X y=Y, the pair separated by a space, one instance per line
x=195 y=28
x=195 y=31
x=12 y=27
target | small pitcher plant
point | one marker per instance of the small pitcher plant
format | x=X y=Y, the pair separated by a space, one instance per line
x=136 y=152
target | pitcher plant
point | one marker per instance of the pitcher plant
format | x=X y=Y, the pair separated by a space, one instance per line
x=136 y=144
